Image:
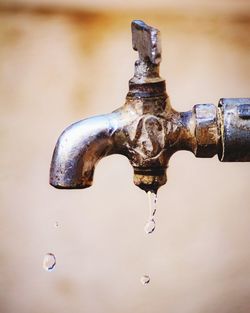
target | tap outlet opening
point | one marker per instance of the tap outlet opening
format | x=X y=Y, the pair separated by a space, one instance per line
x=150 y=179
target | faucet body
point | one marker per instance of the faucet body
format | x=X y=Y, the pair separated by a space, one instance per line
x=147 y=130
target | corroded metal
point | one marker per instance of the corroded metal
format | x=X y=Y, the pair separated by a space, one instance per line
x=147 y=130
x=235 y=130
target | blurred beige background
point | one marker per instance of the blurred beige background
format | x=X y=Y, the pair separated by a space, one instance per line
x=61 y=61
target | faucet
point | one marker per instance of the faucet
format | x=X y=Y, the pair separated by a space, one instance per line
x=147 y=130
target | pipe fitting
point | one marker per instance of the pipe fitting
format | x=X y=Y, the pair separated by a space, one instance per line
x=206 y=130
x=235 y=130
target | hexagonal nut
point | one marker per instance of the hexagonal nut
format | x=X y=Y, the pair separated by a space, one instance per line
x=206 y=130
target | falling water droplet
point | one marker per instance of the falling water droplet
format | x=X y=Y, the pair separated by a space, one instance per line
x=56 y=224
x=49 y=262
x=150 y=226
x=145 y=279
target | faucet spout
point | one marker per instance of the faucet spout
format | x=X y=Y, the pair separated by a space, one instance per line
x=79 y=148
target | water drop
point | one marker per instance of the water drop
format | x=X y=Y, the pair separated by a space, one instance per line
x=145 y=279
x=49 y=262
x=56 y=224
x=150 y=226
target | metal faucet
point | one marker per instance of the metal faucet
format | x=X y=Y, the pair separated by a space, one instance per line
x=147 y=130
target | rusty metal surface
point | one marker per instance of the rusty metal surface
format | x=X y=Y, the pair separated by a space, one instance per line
x=206 y=130
x=147 y=130
x=145 y=40
x=78 y=150
x=235 y=129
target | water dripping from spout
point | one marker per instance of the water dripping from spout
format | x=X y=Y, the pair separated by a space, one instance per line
x=150 y=225
x=152 y=201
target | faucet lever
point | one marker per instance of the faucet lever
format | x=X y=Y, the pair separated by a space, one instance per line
x=146 y=40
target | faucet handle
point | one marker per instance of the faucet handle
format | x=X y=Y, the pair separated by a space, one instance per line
x=146 y=40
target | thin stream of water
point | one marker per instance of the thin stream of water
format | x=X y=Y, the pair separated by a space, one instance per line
x=150 y=225
x=152 y=201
